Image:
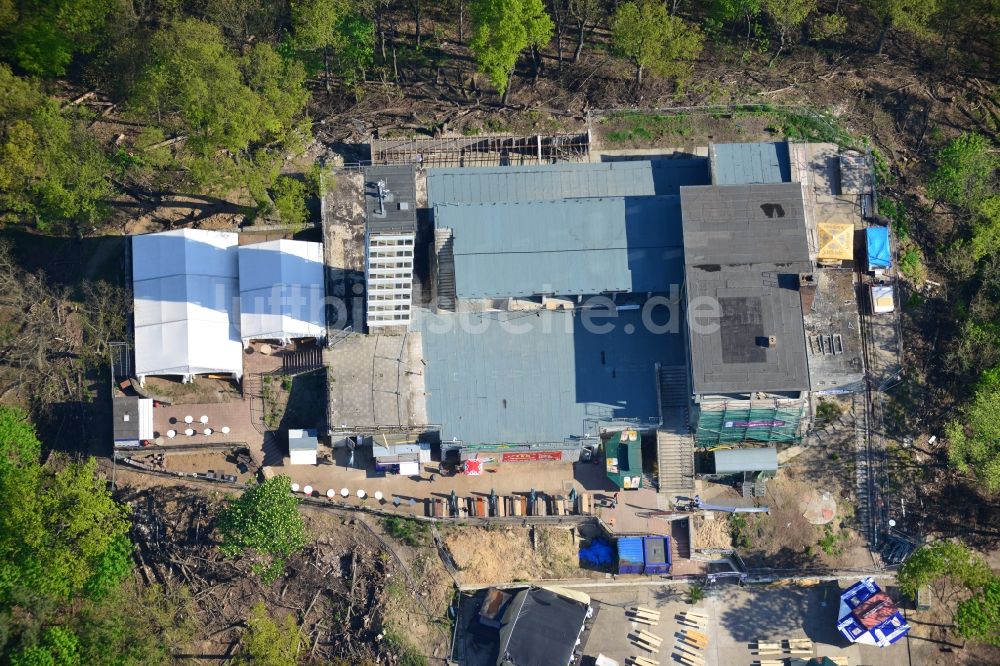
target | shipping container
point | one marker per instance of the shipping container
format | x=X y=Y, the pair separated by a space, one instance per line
x=630 y=559
x=656 y=554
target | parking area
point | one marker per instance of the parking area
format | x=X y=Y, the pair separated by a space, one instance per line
x=737 y=618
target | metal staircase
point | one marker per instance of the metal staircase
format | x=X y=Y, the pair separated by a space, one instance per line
x=444 y=285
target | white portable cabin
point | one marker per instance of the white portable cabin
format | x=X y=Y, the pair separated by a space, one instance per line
x=882 y=298
x=302 y=446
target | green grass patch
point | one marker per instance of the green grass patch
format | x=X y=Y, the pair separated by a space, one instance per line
x=827 y=411
x=739 y=530
x=911 y=264
x=634 y=126
x=812 y=126
x=831 y=542
x=897 y=215
x=411 y=532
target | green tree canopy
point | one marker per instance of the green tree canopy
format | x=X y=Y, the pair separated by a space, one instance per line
x=263 y=524
x=966 y=173
x=787 y=16
x=942 y=559
x=269 y=643
x=974 y=438
x=52 y=172
x=501 y=30
x=978 y=618
x=240 y=113
x=61 y=532
x=42 y=36
x=910 y=16
x=646 y=34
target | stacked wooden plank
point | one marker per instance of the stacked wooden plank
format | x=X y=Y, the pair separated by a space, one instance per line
x=693 y=618
x=643 y=661
x=690 y=646
x=799 y=647
x=643 y=615
x=766 y=649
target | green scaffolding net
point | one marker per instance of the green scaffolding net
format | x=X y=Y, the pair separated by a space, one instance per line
x=734 y=423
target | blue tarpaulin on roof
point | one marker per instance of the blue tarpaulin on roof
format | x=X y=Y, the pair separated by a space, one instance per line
x=879 y=253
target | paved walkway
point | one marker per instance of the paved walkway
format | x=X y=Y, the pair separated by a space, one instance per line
x=504 y=478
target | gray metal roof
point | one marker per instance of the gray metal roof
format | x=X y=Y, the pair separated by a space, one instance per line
x=540 y=376
x=399 y=211
x=539 y=183
x=569 y=247
x=126 y=418
x=302 y=440
x=746 y=163
x=733 y=461
x=744 y=248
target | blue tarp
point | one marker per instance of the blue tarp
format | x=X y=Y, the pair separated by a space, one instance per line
x=879 y=624
x=597 y=554
x=630 y=558
x=879 y=253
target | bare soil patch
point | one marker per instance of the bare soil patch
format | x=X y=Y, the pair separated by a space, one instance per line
x=493 y=556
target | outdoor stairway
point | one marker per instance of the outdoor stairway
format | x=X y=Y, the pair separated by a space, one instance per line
x=673 y=386
x=680 y=539
x=445 y=283
x=675 y=456
x=303 y=360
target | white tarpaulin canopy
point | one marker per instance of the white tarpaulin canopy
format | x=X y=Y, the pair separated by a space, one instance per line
x=185 y=284
x=281 y=291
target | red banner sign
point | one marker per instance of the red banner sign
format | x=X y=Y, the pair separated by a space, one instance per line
x=530 y=456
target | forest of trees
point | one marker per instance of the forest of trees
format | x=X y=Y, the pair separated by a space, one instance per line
x=220 y=96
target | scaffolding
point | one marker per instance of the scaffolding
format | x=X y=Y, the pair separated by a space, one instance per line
x=488 y=150
x=736 y=421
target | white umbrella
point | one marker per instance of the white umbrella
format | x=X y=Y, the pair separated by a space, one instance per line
x=225 y=430
x=308 y=490
x=295 y=487
x=207 y=431
x=189 y=432
x=344 y=492
x=203 y=419
x=171 y=434
x=188 y=419
x=361 y=493
x=331 y=493
x=378 y=495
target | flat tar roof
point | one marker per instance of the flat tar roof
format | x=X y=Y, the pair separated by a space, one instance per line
x=398 y=213
x=568 y=247
x=744 y=248
x=540 y=376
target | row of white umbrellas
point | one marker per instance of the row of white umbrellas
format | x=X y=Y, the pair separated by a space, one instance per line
x=331 y=493
x=191 y=431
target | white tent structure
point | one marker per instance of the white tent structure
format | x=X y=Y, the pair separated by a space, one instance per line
x=282 y=291
x=185 y=284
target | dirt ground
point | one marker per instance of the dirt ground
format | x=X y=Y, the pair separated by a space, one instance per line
x=784 y=538
x=202 y=390
x=711 y=531
x=505 y=555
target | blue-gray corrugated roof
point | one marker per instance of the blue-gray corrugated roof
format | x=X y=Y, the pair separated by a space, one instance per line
x=569 y=247
x=539 y=183
x=520 y=377
x=750 y=163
